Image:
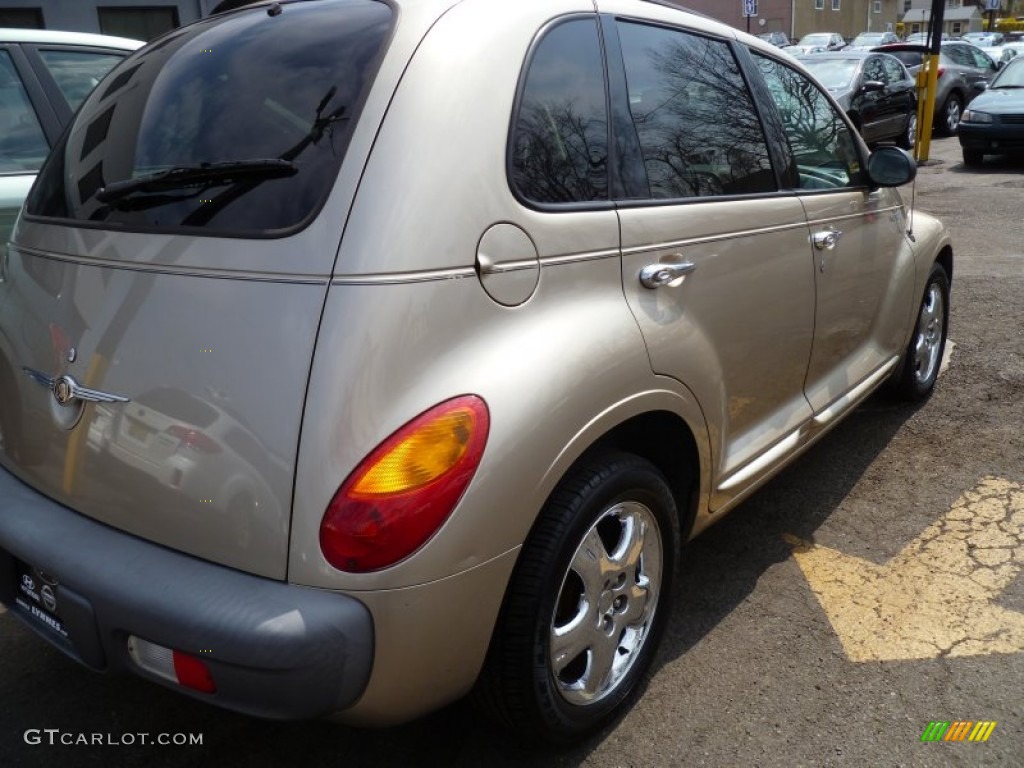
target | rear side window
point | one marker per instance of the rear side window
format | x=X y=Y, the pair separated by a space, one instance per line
x=894 y=70
x=559 y=150
x=875 y=70
x=77 y=72
x=23 y=146
x=235 y=125
x=699 y=132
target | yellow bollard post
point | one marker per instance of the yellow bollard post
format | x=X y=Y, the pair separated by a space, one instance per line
x=927 y=82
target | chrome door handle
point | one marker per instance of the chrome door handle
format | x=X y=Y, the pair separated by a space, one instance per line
x=665 y=275
x=826 y=240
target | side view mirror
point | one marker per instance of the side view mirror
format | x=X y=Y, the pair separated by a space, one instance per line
x=891 y=167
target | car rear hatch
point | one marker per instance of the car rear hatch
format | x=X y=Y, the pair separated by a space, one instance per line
x=162 y=295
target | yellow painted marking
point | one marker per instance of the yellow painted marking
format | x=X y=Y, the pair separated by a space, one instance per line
x=937 y=596
x=988 y=731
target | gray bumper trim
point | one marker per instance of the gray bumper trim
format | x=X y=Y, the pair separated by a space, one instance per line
x=274 y=649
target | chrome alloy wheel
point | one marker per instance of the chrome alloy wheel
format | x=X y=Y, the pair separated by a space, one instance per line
x=606 y=604
x=929 y=335
x=911 y=130
x=953 y=110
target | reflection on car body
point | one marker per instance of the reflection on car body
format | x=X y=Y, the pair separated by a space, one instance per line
x=876 y=91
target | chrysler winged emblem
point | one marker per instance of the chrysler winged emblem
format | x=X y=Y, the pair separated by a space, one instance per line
x=66 y=390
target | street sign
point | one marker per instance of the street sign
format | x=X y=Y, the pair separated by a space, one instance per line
x=993 y=5
x=749 y=8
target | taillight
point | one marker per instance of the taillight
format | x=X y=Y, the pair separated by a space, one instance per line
x=193 y=439
x=406 y=488
x=938 y=74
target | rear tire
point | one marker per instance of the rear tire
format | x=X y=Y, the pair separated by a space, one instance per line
x=915 y=377
x=906 y=139
x=973 y=157
x=949 y=118
x=587 y=603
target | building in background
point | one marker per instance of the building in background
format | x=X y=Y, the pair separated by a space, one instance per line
x=958 y=18
x=799 y=17
x=138 y=19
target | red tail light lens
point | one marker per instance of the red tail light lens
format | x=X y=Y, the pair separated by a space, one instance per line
x=940 y=71
x=406 y=488
x=194 y=439
x=193 y=673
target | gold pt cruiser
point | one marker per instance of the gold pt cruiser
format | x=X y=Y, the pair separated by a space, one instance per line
x=359 y=354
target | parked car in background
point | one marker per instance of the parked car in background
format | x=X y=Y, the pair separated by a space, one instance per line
x=818 y=42
x=865 y=41
x=964 y=72
x=983 y=39
x=490 y=372
x=778 y=39
x=876 y=91
x=920 y=38
x=1003 y=52
x=44 y=76
x=994 y=123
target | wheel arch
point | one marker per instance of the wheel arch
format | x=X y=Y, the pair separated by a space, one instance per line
x=945 y=258
x=665 y=440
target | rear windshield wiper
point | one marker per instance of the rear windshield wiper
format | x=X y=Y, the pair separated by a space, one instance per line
x=198 y=176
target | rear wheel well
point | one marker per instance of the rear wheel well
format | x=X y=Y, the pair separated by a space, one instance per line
x=945 y=258
x=666 y=441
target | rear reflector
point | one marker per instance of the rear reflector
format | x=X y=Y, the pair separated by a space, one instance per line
x=176 y=666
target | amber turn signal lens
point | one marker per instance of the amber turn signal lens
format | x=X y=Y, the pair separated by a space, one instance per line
x=430 y=450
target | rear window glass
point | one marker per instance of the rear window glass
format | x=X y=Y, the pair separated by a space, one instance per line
x=235 y=125
x=909 y=58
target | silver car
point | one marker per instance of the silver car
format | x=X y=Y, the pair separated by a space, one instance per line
x=44 y=76
x=964 y=71
x=501 y=303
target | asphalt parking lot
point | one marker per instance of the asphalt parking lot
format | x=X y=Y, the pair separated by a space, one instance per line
x=872 y=589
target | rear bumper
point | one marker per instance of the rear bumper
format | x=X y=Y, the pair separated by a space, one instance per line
x=274 y=649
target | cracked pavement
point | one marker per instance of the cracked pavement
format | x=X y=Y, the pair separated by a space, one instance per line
x=936 y=598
